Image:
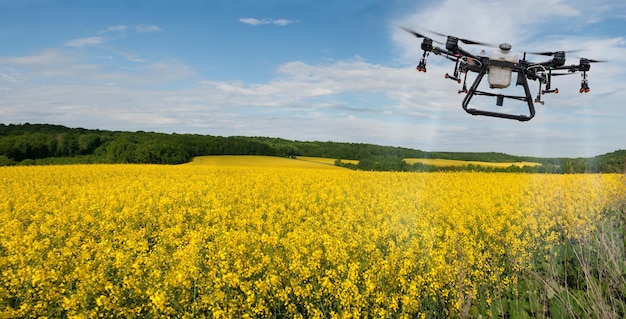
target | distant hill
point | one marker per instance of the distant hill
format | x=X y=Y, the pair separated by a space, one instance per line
x=28 y=144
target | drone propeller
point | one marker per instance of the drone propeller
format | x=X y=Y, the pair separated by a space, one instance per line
x=465 y=41
x=418 y=34
x=548 y=53
x=413 y=32
x=592 y=60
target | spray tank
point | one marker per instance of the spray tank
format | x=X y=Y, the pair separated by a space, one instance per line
x=500 y=76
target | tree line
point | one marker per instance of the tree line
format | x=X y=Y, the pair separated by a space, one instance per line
x=27 y=144
x=55 y=144
x=396 y=164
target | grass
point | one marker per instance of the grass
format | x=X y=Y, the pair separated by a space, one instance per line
x=578 y=278
x=447 y=162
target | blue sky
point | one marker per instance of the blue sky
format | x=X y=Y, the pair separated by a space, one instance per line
x=306 y=70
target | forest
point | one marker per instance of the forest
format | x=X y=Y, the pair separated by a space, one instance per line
x=45 y=144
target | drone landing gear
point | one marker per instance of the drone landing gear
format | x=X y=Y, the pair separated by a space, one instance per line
x=521 y=80
x=547 y=90
x=464 y=90
x=584 y=84
x=455 y=77
x=421 y=67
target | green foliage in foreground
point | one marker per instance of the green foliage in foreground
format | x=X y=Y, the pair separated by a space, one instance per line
x=584 y=278
x=41 y=144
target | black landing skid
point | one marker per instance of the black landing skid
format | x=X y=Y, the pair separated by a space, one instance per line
x=521 y=80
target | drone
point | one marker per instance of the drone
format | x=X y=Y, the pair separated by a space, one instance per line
x=499 y=68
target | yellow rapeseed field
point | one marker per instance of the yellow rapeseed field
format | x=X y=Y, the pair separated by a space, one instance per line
x=325 y=160
x=264 y=161
x=86 y=241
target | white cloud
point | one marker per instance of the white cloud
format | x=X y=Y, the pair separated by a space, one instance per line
x=56 y=67
x=304 y=102
x=490 y=21
x=132 y=57
x=87 y=41
x=283 y=22
x=95 y=40
x=255 y=22
x=145 y=28
x=115 y=28
x=120 y=32
x=38 y=60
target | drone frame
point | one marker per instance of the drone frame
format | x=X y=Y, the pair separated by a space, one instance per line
x=518 y=68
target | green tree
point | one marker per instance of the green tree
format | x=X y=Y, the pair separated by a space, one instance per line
x=87 y=143
x=365 y=164
x=5 y=161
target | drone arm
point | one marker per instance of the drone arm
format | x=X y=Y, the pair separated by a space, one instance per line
x=444 y=52
x=467 y=54
x=574 y=67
